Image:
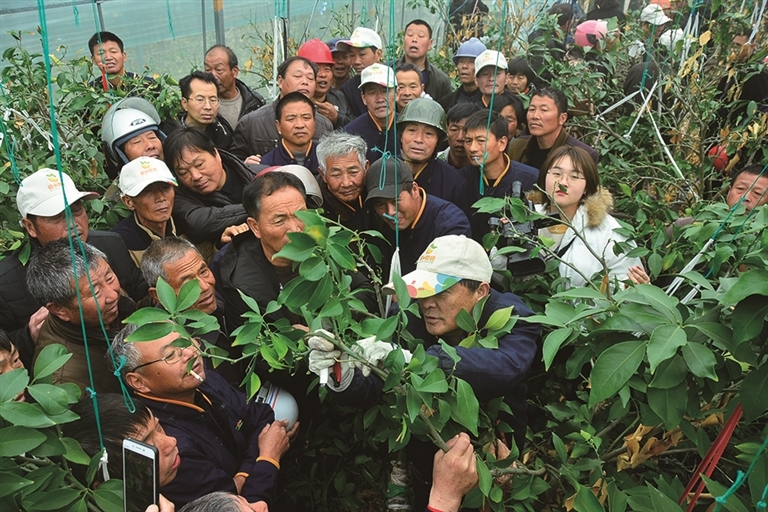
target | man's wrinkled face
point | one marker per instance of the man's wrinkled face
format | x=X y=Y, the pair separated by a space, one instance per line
x=517 y=83
x=466 y=68
x=409 y=87
x=144 y=144
x=488 y=84
x=103 y=297
x=296 y=124
x=753 y=188
x=345 y=177
x=480 y=144
x=202 y=105
x=109 y=58
x=48 y=229
x=543 y=117
x=456 y=137
x=379 y=100
x=440 y=311
x=363 y=57
x=190 y=267
x=200 y=171
x=419 y=142
x=342 y=63
x=277 y=218
x=154 y=204
x=153 y=434
x=324 y=77
x=217 y=63
x=406 y=211
x=416 y=41
x=299 y=77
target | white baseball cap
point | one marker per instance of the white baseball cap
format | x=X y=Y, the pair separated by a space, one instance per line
x=447 y=260
x=654 y=14
x=378 y=74
x=42 y=193
x=361 y=38
x=490 y=58
x=138 y=174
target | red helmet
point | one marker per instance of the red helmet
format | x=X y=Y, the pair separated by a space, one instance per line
x=316 y=51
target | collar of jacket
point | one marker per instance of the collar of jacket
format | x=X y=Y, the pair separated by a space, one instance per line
x=74 y=332
x=594 y=207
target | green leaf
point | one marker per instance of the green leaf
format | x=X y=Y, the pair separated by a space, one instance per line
x=93 y=467
x=12 y=483
x=188 y=295
x=754 y=282
x=660 y=301
x=148 y=315
x=748 y=318
x=342 y=256
x=57 y=499
x=665 y=340
x=562 y=453
x=413 y=403
x=670 y=373
x=150 y=332
x=579 y=293
x=25 y=415
x=465 y=321
x=74 y=452
x=669 y=404
x=721 y=335
x=701 y=361
x=12 y=383
x=16 y=440
x=485 y=480
x=661 y=501
x=499 y=318
x=300 y=247
x=754 y=393
x=434 y=383
x=52 y=398
x=332 y=308
x=617 y=500
x=654 y=264
x=166 y=295
x=401 y=290
x=552 y=344
x=732 y=503
x=586 y=501
x=109 y=498
x=467 y=406
x=313 y=268
x=51 y=358
x=613 y=369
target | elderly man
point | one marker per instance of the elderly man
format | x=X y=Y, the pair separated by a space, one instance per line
x=40 y=201
x=211 y=181
x=295 y=121
x=342 y=165
x=491 y=77
x=83 y=295
x=225 y=442
x=456 y=118
x=235 y=98
x=417 y=41
x=453 y=274
x=749 y=184
x=329 y=102
x=485 y=145
x=130 y=129
x=422 y=128
x=464 y=59
x=200 y=102
x=419 y=217
x=256 y=134
x=223 y=502
x=342 y=63
x=147 y=188
x=108 y=54
x=547 y=114
x=375 y=126
x=365 y=49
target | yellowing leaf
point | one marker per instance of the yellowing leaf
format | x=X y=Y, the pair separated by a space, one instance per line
x=705 y=37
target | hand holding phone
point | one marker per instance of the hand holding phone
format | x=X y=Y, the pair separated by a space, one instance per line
x=140 y=475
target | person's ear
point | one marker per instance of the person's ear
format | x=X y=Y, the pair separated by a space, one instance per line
x=128 y=201
x=378 y=54
x=253 y=226
x=184 y=104
x=152 y=291
x=277 y=125
x=482 y=290
x=563 y=118
x=235 y=71
x=30 y=227
x=62 y=313
x=136 y=381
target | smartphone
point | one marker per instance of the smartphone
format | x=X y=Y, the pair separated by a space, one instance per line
x=140 y=475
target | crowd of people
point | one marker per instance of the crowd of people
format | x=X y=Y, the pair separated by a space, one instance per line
x=213 y=196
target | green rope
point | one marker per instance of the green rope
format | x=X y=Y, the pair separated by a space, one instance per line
x=741 y=477
x=76 y=13
x=170 y=19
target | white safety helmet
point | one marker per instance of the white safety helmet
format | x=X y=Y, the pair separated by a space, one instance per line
x=311 y=187
x=280 y=400
x=126 y=119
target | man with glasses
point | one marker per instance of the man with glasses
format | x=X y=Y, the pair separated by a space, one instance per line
x=200 y=101
x=225 y=442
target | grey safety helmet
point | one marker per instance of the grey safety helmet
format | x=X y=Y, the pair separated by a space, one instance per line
x=311 y=187
x=426 y=111
x=471 y=49
x=125 y=120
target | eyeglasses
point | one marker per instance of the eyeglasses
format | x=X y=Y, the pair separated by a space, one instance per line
x=174 y=355
x=572 y=176
x=200 y=100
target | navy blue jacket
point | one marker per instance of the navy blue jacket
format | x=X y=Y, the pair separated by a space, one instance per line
x=525 y=174
x=491 y=372
x=374 y=138
x=351 y=90
x=439 y=218
x=442 y=180
x=354 y=216
x=281 y=156
x=217 y=438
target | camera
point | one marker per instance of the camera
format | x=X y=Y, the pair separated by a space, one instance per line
x=518 y=234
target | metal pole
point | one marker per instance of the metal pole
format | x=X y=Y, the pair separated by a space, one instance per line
x=288 y=22
x=218 y=20
x=202 y=14
x=101 y=14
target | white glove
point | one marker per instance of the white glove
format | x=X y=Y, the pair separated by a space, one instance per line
x=374 y=352
x=498 y=262
x=323 y=355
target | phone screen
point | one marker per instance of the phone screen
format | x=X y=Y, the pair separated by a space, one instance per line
x=139 y=475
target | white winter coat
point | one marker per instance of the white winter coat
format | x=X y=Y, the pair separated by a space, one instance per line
x=597 y=227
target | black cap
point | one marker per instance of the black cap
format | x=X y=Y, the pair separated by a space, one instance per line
x=395 y=172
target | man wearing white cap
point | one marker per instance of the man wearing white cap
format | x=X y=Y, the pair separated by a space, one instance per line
x=452 y=274
x=376 y=125
x=41 y=203
x=147 y=188
x=364 y=47
x=490 y=76
x=652 y=22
